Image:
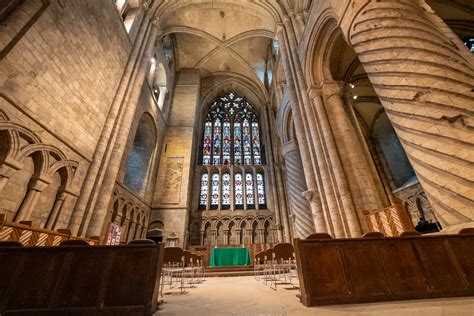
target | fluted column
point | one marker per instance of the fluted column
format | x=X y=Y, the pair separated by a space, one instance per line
x=425 y=83
x=296 y=186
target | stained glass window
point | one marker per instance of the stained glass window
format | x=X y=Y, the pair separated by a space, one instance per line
x=206 y=148
x=216 y=153
x=261 y=190
x=226 y=144
x=247 y=143
x=256 y=144
x=237 y=144
x=239 y=191
x=249 y=189
x=231 y=133
x=215 y=191
x=231 y=136
x=226 y=190
x=204 y=190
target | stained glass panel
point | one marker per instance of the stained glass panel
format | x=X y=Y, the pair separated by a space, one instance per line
x=204 y=190
x=237 y=144
x=216 y=154
x=261 y=189
x=206 y=148
x=215 y=189
x=249 y=189
x=226 y=144
x=256 y=144
x=247 y=142
x=239 y=190
x=226 y=189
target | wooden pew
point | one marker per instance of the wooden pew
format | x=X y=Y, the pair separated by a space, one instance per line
x=360 y=270
x=80 y=280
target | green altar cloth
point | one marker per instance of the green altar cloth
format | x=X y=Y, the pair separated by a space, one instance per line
x=229 y=257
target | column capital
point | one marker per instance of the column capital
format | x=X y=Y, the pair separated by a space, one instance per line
x=330 y=88
x=39 y=183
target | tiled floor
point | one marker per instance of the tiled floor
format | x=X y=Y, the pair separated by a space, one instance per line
x=246 y=296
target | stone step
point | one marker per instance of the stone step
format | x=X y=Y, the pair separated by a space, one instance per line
x=228 y=274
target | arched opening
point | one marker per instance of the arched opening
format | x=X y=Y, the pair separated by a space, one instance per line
x=158 y=82
x=140 y=156
x=207 y=235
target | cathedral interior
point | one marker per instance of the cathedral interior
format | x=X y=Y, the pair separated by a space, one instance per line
x=223 y=123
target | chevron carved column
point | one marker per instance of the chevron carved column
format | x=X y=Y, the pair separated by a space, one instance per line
x=296 y=186
x=426 y=85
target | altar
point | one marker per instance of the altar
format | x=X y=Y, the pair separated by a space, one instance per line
x=229 y=257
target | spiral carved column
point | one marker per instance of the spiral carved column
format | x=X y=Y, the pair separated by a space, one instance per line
x=296 y=186
x=425 y=83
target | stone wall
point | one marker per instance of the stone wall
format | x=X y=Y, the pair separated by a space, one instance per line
x=59 y=73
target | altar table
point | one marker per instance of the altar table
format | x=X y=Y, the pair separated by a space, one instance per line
x=229 y=257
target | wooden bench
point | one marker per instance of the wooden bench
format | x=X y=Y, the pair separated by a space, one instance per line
x=85 y=280
x=360 y=270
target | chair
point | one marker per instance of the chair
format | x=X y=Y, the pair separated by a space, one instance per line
x=373 y=235
x=283 y=263
x=257 y=264
x=410 y=233
x=10 y=244
x=173 y=266
x=189 y=270
x=267 y=265
x=316 y=236
x=198 y=267
x=467 y=231
x=141 y=242
x=73 y=242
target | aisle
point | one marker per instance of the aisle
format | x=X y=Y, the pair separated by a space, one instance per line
x=246 y=296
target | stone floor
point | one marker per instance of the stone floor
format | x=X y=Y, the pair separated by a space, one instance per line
x=246 y=296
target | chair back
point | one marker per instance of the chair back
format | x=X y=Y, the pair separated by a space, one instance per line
x=410 y=233
x=268 y=254
x=283 y=251
x=318 y=236
x=188 y=258
x=141 y=242
x=173 y=255
x=467 y=231
x=74 y=242
x=373 y=235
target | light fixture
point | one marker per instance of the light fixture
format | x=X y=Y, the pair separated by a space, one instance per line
x=354 y=97
x=351 y=85
x=153 y=60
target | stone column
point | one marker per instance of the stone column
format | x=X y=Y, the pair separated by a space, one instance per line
x=296 y=186
x=95 y=221
x=309 y=162
x=424 y=81
x=35 y=187
x=284 y=211
x=58 y=204
x=131 y=231
x=103 y=153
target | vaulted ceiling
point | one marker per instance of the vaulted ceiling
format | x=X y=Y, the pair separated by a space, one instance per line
x=222 y=38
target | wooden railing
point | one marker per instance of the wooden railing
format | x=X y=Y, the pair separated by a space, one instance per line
x=390 y=221
x=35 y=237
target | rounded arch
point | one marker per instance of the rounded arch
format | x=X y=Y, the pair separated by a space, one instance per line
x=144 y=145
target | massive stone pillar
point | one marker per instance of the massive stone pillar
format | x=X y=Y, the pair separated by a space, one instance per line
x=296 y=187
x=425 y=82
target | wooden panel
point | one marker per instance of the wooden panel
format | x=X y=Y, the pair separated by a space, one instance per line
x=463 y=248
x=365 y=270
x=403 y=272
x=325 y=271
x=384 y=269
x=75 y=289
x=80 y=280
x=438 y=266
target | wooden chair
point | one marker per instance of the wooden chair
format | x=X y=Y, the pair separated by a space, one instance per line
x=173 y=266
x=141 y=242
x=316 y=236
x=373 y=235
x=467 y=231
x=283 y=263
x=410 y=233
x=10 y=244
x=73 y=242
